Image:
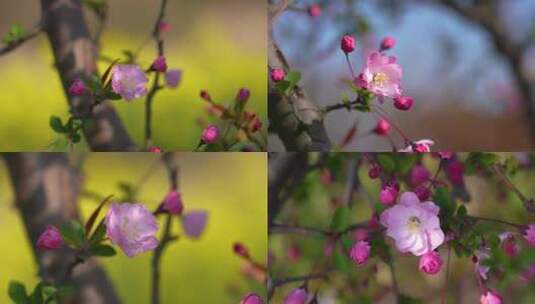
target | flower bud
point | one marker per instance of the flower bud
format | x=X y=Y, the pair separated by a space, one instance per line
x=252 y=298
x=50 y=239
x=508 y=244
x=403 y=103
x=240 y=250
x=388 y=43
x=173 y=202
x=360 y=252
x=418 y=175
x=155 y=149
x=296 y=296
x=314 y=10
x=326 y=176
x=210 y=134
x=430 y=263
x=77 y=88
x=347 y=44
x=374 y=172
x=455 y=171
x=529 y=235
x=422 y=192
x=159 y=64
x=194 y=223
x=388 y=195
x=293 y=253
x=243 y=95
x=382 y=127
x=163 y=27
x=491 y=297
x=205 y=95
x=277 y=75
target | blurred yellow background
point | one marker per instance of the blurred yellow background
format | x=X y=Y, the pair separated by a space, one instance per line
x=231 y=186
x=219 y=45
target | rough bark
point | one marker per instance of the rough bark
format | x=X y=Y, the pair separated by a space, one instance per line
x=46 y=189
x=75 y=57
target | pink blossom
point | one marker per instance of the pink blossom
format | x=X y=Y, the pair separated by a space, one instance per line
x=388 y=43
x=172 y=202
x=159 y=64
x=491 y=297
x=194 y=223
x=296 y=296
x=132 y=227
x=314 y=10
x=252 y=298
x=418 y=175
x=430 y=263
x=403 y=103
x=381 y=75
x=50 y=239
x=382 y=127
x=481 y=255
x=129 y=81
x=173 y=78
x=420 y=146
x=243 y=95
x=414 y=226
x=360 y=252
x=508 y=243
x=529 y=235
x=277 y=75
x=387 y=195
x=347 y=44
x=210 y=134
x=155 y=149
x=77 y=88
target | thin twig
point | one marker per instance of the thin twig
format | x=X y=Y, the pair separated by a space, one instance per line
x=12 y=46
x=528 y=203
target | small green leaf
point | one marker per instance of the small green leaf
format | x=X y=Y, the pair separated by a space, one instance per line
x=283 y=86
x=73 y=234
x=340 y=219
x=461 y=211
x=16 y=33
x=17 y=292
x=103 y=250
x=405 y=161
x=99 y=233
x=341 y=262
x=387 y=162
x=56 y=124
x=48 y=291
x=113 y=96
x=293 y=77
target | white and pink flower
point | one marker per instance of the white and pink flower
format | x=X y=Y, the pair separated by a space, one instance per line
x=381 y=75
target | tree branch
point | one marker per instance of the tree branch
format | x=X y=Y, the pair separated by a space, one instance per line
x=12 y=46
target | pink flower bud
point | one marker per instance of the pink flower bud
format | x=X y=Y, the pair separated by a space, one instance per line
x=314 y=10
x=374 y=172
x=529 y=235
x=455 y=171
x=347 y=44
x=277 y=75
x=388 y=195
x=205 y=95
x=382 y=127
x=210 y=134
x=252 y=298
x=445 y=155
x=508 y=244
x=491 y=297
x=240 y=250
x=293 y=253
x=173 y=202
x=403 y=103
x=194 y=223
x=163 y=27
x=173 y=78
x=243 y=95
x=360 y=252
x=256 y=125
x=388 y=43
x=155 y=149
x=50 y=239
x=296 y=296
x=326 y=176
x=77 y=88
x=159 y=64
x=418 y=175
x=422 y=192
x=430 y=263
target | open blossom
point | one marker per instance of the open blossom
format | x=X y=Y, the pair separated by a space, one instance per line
x=252 y=298
x=296 y=296
x=129 y=81
x=529 y=234
x=360 y=252
x=414 y=226
x=173 y=202
x=132 y=227
x=277 y=75
x=347 y=44
x=50 y=239
x=491 y=297
x=173 y=78
x=430 y=263
x=77 y=88
x=210 y=134
x=420 y=146
x=381 y=75
x=481 y=255
x=194 y=223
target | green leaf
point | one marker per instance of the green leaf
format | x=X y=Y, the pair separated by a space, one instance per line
x=16 y=33
x=293 y=77
x=93 y=83
x=386 y=162
x=17 y=292
x=99 y=233
x=443 y=199
x=73 y=234
x=56 y=124
x=461 y=211
x=405 y=161
x=103 y=250
x=341 y=262
x=48 y=291
x=340 y=219
x=112 y=96
x=283 y=86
